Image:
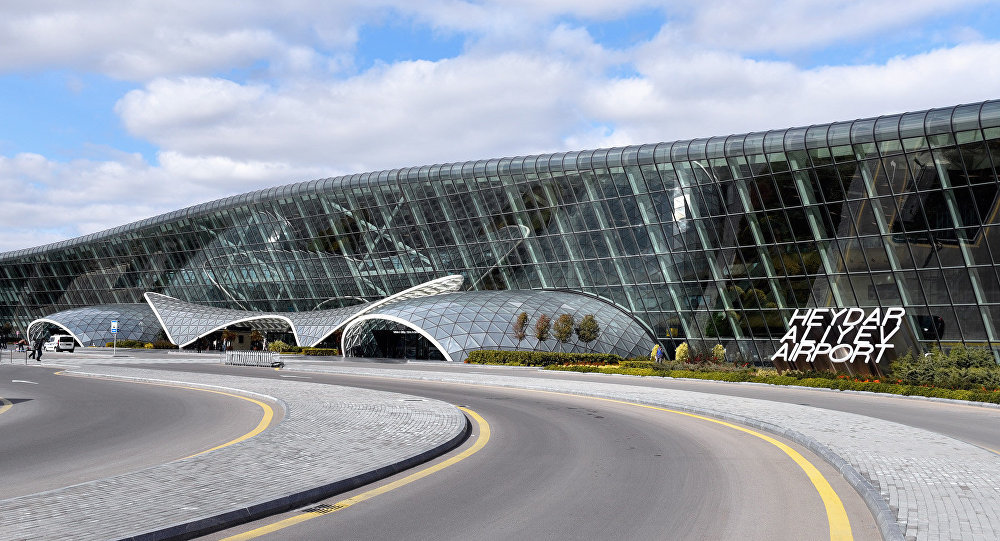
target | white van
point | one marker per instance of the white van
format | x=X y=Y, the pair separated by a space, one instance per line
x=60 y=342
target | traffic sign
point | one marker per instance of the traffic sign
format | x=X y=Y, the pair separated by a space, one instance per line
x=114 y=326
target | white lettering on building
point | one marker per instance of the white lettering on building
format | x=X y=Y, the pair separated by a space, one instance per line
x=841 y=334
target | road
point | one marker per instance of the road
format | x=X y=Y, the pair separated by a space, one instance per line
x=565 y=467
x=63 y=430
x=969 y=423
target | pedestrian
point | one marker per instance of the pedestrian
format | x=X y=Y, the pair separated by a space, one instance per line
x=39 y=344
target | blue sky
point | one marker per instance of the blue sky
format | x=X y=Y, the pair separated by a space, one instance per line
x=115 y=112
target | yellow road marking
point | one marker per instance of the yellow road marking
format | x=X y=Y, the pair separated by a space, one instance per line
x=5 y=405
x=265 y=420
x=484 y=438
x=840 y=524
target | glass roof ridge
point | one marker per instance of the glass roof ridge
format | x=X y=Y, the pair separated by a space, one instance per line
x=685 y=149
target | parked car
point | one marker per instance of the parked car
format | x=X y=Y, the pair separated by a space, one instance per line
x=60 y=342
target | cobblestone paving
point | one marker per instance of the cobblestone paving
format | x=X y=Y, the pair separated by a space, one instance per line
x=935 y=487
x=328 y=434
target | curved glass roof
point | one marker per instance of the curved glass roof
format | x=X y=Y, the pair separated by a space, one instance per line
x=186 y=322
x=457 y=323
x=894 y=126
x=91 y=325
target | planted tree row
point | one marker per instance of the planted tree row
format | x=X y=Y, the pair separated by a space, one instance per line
x=565 y=326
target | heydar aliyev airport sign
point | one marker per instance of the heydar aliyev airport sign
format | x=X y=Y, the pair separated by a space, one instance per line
x=839 y=335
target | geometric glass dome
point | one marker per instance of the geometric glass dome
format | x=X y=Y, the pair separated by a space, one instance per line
x=91 y=325
x=456 y=323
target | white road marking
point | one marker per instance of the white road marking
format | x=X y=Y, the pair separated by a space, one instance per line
x=23 y=381
x=302 y=377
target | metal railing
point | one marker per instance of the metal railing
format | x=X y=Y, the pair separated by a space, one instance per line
x=14 y=353
x=252 y=358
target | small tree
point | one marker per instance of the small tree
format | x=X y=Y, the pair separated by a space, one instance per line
x=521 y=326
x=542 y=327
x=256 y=337
x=227 y=338
x=588 y=330
x=562 y=330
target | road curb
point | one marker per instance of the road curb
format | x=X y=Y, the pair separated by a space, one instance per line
x=427 y=431
x=207 y=525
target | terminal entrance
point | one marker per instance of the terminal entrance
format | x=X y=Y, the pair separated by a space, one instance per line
x=379 y=338
x=404 y=344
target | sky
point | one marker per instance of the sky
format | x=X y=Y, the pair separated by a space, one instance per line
x=112 y=112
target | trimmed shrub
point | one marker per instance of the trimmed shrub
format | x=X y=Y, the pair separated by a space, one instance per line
x=320 y=351
x=149 y=345
x=960 y=368
x=127 y=343
x=277 y=346
x=632 y=363
x=164 y=344
x=682 y=353
x=538 y=358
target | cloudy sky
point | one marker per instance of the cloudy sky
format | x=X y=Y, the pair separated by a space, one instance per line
x=115 y=111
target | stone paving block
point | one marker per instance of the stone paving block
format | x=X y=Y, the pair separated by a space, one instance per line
x=926 y=484
x=331 y=439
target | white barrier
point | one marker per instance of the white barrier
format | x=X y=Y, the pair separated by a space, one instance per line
x=253 y=358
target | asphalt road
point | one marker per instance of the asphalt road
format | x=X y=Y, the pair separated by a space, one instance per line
x=563 y=467
x=969 y=423
x=63 y=430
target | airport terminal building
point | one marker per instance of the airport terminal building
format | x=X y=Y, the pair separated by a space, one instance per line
x=750 y=241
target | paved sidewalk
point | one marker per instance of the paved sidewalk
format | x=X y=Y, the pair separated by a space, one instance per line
x=920 y=484
x=331 y=439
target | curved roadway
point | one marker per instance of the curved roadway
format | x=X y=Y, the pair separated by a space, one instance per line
x=62 y=430
x=566 y=467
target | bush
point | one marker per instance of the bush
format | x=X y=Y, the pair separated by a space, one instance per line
x=632 y=363
x=164 y=344
x=538 y=358
x=277 y=346
x=320 y=351
x=960 y=368
x=149 y=345
x=127 y=343
x=682 y=353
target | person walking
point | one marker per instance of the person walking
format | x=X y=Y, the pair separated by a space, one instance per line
x=39 y=344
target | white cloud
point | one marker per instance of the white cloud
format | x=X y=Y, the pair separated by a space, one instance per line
x=528 y=82
x=787 y=25
x=680 y=97
x=403 y=114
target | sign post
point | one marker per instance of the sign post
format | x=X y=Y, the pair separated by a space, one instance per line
x=114 y=332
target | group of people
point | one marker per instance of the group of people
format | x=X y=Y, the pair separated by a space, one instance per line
x=22 y=345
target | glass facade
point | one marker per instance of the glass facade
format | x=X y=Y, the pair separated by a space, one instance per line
x=713 y=240
x=457 y=323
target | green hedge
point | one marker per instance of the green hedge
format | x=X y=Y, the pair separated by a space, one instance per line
x=320 y=351
x=538 y=358
x=828 y=382
x=126 y=343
